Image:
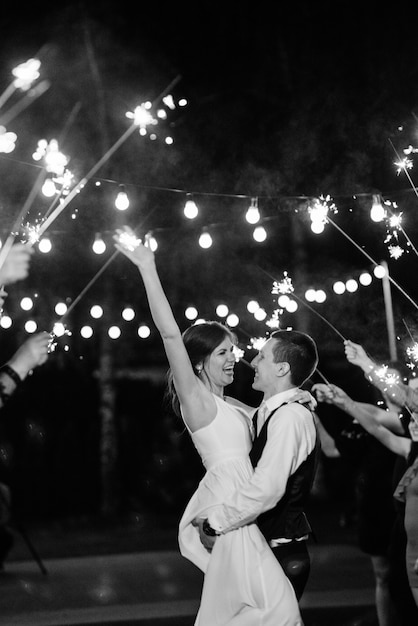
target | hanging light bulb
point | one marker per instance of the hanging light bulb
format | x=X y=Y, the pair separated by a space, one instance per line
x=253 y=214
x=205 y=240
x=169 y=102
x=259 y=234
x=45 y=245
x=48 y=188
x=122 y=200
x=377 y=212
x=152 y=242
x=99 y=245
x=190 y=208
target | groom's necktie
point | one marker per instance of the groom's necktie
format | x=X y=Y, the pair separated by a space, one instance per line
x=259 y=416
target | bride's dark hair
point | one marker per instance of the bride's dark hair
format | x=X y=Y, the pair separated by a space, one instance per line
x=200 y=340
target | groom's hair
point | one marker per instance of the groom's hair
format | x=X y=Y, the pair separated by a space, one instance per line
x=299 y=350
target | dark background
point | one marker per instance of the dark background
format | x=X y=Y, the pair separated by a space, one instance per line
x=284 y=103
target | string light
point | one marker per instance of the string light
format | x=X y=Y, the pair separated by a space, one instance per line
x=48 y=188
x=191 y=313
x=86 y=332
x=377 y=212
x=96 y=311
x=351 y=285
x=7 y=140
x=365 y=279
x=31 y=326
x=114 y=332
x=26 y=303
x=379 y=271
x=60 y=308
x=259 y=234
x=222 y=310
x=122 y=200
x=253 y=214
x=152 y=242
x=205 y=239
x=252 y=306
x=99 y=246
x=190 y=210
x=45 y=245
x=232 y=320
x=128 y=314
x=144 y=331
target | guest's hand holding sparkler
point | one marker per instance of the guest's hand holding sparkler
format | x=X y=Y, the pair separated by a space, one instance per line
x=357 y=355
x=331 y=394
x=32 y=353
x=384 y=424
x=16 y=264
x=388 y=381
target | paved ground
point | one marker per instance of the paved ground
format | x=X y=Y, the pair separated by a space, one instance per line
x=130 y=573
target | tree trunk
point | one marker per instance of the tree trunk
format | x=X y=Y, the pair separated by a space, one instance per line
x=108 y=440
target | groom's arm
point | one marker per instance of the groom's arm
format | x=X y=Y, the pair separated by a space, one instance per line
x=291 y=438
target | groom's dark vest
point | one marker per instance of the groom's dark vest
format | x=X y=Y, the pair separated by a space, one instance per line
x=288 y=519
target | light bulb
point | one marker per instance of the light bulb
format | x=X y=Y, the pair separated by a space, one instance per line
x=205 y=240
x=377 y=212
x=122 y=200
x=253 y=214
x=99 y=245
x=190 y=209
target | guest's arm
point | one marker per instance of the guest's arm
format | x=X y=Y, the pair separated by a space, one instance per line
x=374 y=420
x=32 y=353
x=400 y=394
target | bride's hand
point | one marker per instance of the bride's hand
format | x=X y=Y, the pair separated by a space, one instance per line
x=127 y=242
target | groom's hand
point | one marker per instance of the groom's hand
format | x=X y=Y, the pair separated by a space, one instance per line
x=207 y=541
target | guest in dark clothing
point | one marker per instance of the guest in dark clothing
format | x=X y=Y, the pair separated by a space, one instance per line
x=397 y=596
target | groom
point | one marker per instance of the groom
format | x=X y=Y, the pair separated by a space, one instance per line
x=284 y=456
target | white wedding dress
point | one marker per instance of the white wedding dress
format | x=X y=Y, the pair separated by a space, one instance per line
x=244 y=584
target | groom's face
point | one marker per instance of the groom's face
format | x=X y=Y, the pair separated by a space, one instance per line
x=265 y=368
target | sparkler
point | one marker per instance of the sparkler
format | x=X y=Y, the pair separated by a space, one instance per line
x=33 y=193
x=371 y=260
x=411 y=351
x=24 y=75
x=323 y=377
x=404 y=165
x=28 y=203
x=140 y=119
x=394 y=225
x=285 y=286
x=32 y=95
x=131 y=241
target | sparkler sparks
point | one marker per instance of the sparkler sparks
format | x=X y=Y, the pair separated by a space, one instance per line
x=54 y=214
x=412 y=352
x=274 y=321
x=24 y=75
x=238 y=353
x=129 y=241
x=403 y=165
x=7 y=140
x=319 y=210
x=141 y=116
x=283 y=286
x=256 y=343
